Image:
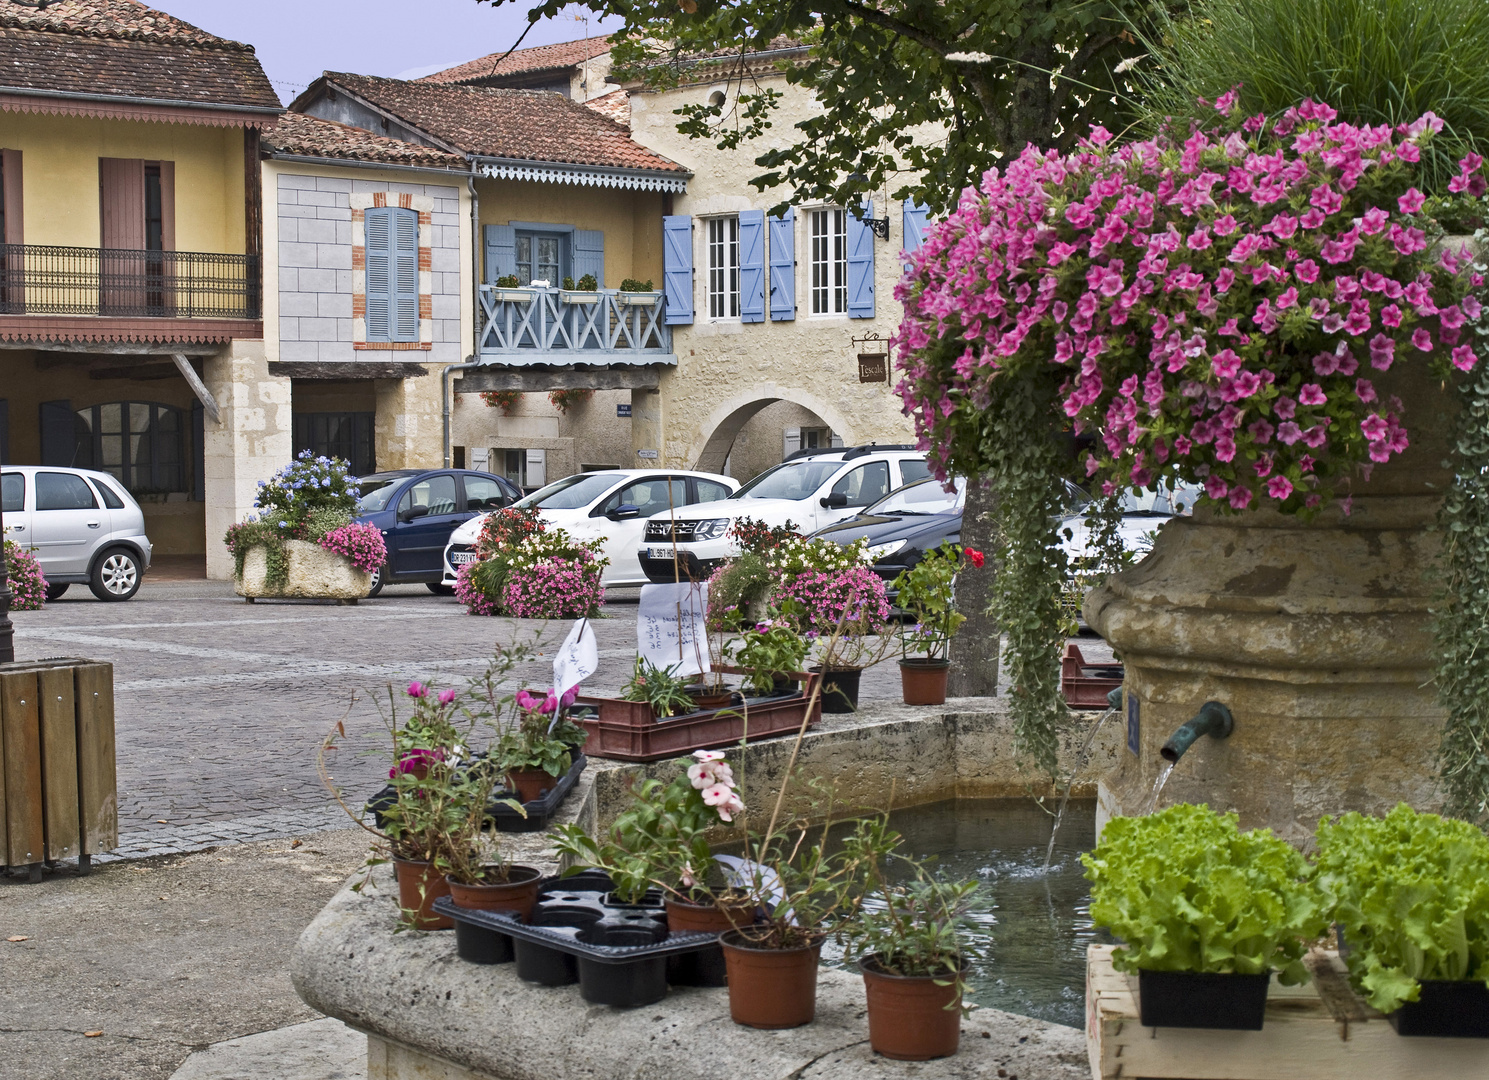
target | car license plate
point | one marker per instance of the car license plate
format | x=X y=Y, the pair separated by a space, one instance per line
x=460 y=558
x=659 y=553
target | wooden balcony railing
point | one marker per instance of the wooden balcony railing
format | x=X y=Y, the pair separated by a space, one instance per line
x=557 y=326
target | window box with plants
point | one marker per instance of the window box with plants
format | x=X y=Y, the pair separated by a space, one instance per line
x=1206 y=913
x=585 y=291
x=303 y=542
x=509 y=290
x=634 y=293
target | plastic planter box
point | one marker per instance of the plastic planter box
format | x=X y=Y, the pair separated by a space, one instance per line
x=1194 y=999
x=627 y=730
x=1446 y=1008
x=619 y=954
x=1085 y=685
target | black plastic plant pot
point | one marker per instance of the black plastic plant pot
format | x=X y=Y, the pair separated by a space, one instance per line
x=478 y=945
x=840 y=690
x=702 y=968
x=543 y=965
x=1445 y=1009
x=1201 y=999
x=627 y=984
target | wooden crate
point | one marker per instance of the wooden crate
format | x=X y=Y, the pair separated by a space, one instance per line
x=1321 y=1031
x=58 y=791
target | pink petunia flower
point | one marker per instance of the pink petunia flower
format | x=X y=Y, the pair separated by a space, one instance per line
x=1411 y=202
x=1421 y=339
x=1382 y=352
x=1279 y=487
x=1311 y=394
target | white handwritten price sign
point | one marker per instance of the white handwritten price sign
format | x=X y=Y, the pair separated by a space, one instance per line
x=670 y=626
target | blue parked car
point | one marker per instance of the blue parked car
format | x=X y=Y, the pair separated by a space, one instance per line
x=417 y=510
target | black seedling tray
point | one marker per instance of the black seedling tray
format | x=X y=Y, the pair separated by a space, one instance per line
x=619 y=954
x=540 y=812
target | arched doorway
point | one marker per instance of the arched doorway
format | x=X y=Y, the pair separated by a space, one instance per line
x=725 y=422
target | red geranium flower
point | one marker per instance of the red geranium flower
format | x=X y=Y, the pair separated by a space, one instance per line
x=974 y=557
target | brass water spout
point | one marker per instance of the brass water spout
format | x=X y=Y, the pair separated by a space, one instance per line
x=1213 y=719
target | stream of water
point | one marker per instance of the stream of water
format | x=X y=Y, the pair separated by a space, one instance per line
x=1158 y=781
x=1080 y=763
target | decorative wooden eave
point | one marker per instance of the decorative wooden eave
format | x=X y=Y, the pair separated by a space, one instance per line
x=118 y=107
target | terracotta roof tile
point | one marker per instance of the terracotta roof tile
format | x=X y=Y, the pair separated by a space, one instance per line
x=310 y=136
x=616 y=105
x=527 y=125
x=538 y=58
x=123 y=48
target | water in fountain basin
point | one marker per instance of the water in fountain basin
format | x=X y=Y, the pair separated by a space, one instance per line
x=1034 y=922
x=1080 y=763
x=1158 y=782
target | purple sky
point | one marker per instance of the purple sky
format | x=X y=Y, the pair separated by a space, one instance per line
x=298 y=39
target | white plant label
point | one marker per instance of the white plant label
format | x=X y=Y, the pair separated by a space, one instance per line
x=671 y=629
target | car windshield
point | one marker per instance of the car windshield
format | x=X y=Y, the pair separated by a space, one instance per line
x=922 y=497
x=572 y=492
x=1163 y=501
x=794 y=480
x=376 y=490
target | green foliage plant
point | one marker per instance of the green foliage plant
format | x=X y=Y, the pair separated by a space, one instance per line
x=770 y=647
x=507 y=281
x=531 y=740
x=1376 y=61
x=758 y=538
x=587 y=283
x=631 y=284
x=1186 y=890
x=664 y=691
x=927 y=592
x=1410 y=892
x=735 y=588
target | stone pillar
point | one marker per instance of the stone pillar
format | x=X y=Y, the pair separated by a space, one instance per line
x=649 y=432
x=1315 y=634
x=253 y=441
x=409 y=428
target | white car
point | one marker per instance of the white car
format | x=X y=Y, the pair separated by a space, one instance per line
x=1142 y=514
x=812 y=489
x=612 y=506
x=82 y=526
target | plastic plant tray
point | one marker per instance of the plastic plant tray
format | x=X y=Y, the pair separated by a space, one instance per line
x=619 y=954
x=540 y=812
x=1085 y=685
x=627 y=730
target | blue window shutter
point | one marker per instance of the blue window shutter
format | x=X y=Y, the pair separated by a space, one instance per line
x=59 y=441
x=783 y=267
x=405 y=275
x=589 y=254
x=677 y=268
x=752 y=266
x=861 y=265
x=501 y=251
x=379 y=223
x=915 y=225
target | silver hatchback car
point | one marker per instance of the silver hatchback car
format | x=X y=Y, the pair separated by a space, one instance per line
x=82 y=526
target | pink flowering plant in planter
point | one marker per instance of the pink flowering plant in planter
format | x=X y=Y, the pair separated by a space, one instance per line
x=1214 y=306
x=546 y=574
x=846 y=612
x=362 y=544
x=28 y=585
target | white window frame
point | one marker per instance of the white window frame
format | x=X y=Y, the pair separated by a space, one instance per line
x=721 y=242
x=827 y=262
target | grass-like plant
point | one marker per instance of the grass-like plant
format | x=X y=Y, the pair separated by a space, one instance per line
x=1186 y=890
x=1411 y=893
x=1376 y=61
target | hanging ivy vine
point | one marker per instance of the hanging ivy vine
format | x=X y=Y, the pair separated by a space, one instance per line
x=1462 y=614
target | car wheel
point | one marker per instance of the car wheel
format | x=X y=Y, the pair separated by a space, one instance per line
x=116 y=575
x=377 y=580
x=438 y=589
x=54 y=591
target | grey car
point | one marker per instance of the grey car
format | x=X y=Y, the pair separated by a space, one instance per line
x=82 y=527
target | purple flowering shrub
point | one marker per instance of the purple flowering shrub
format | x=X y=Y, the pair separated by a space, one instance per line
x=471 y=594
x=853 y=600
x=1213 y=310
x=556 y=588
x=362 y=544
x=28 y=585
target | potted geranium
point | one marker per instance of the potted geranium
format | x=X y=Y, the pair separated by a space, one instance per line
x=586 y=291
x=1206 y=913
x=509 y=289
x=1410 y=895
x=636 y=293
x=914 y=957
x=532 y=753
x=928 y=592
x=303 y=542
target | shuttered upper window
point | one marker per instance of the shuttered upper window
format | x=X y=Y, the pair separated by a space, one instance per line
x=829 y=262
x=392 y=274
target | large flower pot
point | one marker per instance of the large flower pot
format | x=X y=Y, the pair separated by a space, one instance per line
x=313 y=573
x=911 y=1018
x=923 y=680
x=516 y=894
x=770 y=988
x=1316 y=634
x=419 y=886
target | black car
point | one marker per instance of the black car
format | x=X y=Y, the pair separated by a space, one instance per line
x=417 y=510
x=904 y=525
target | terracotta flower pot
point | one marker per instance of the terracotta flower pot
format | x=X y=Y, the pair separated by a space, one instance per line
x=770 y=988
x=518 y=893
x=419 y=886
x=685 y=917
x=924 y=680
x=531 y=784
x=910 y=1017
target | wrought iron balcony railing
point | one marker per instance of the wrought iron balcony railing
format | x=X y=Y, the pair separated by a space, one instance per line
x=558 y=326
x=41 y=279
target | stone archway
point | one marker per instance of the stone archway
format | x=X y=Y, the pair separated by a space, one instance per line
x=723 y=424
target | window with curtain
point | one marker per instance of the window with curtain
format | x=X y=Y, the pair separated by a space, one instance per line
x=344 y=435
x=723 y=268
x=829 y=233
x=392 y=252
x=540 y=257
x=141 y=443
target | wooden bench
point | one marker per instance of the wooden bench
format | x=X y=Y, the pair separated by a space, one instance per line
x=1321 y=1031
x=58 y=790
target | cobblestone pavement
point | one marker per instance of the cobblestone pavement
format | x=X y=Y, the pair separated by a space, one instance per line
x=220 y=705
